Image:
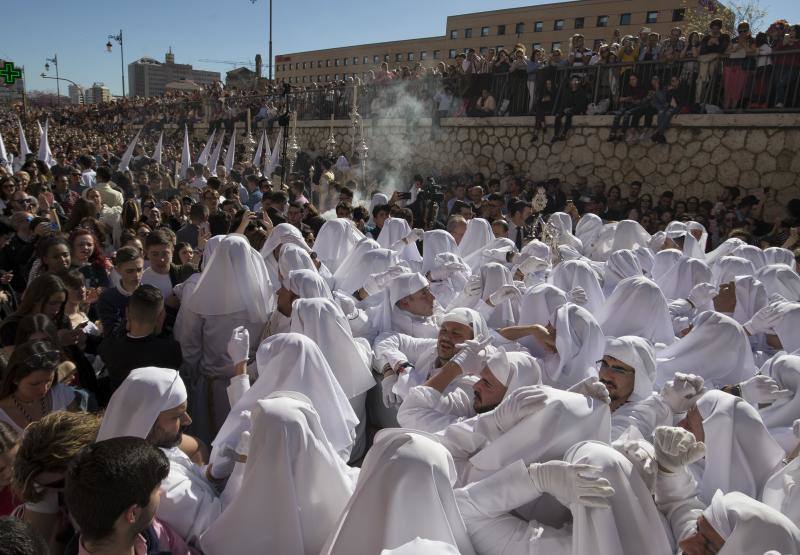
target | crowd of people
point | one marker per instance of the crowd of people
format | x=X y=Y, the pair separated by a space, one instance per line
x=222 y=362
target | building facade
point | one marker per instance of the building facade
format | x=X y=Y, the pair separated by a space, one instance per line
x=11 y=94
x=97 y=93
x=547 y=26
x=76 y=94
x=149 y=77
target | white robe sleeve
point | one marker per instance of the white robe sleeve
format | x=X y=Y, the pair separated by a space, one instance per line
x=676 y=497
x=486 y=507
x=188 y=332
x=426 y=409
x=188 y=505
x=646 y=415
x=398 y=348
x=237 y=388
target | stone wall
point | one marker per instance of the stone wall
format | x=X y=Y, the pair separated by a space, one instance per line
x=703 y=153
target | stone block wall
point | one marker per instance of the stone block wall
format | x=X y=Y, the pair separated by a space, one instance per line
x=703 y=153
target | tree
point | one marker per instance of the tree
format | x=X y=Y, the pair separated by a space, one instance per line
x=751 y=11
x=699 y=13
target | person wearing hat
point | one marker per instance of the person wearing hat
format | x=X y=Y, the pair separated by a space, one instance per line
x=712 y=46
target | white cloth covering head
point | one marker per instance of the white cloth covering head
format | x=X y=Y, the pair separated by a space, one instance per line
x=293 y=258
x=468 y=317
x=346 y=266
x=568 y=252
x=588 y=230
x=787 y=327
x=628 y=235
x=565 y=419
x=419 y=545
x=748 y=526
x=370 y=262
x=691 y=246
x=293 y=362
x=621 y=264
x=476 y=238
x=637 y=307
x=392 y=317
x=780 y=279
x=322 y=321
x=235 y=280
x=785 y=369
x=779 y=255
x=377 y=199
x=137 y=402
x=290 y=460
x=751 y=253
x=579 y=273
x=404 y=491
x=563 y=223
x=538 y=249
x=308 y=284
x=632 y=524
x=494 y=276
x=751 y=296
x=679 y=280
x=335 y=240
x=728 y=267
x=740 y=453
x=280 y=235
x=514 y=369
x=717 y=348
x=640 y=354
x=579 y=343
x=393 y=230
x=723 y=249
x=781 y=490
x=434 y=243
x=211 y=246
x=646 y=259
x=664 y=261
x=604 y=242
x=538 y=305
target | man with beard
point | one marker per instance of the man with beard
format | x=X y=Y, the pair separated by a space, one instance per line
x=151 y=404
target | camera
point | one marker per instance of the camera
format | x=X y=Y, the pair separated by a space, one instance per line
x=431 y=192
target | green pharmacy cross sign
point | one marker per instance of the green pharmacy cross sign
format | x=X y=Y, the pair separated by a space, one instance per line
x=9 y=73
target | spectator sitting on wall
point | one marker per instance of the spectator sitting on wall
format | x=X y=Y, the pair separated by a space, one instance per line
x=573 y=101
x=485 y=106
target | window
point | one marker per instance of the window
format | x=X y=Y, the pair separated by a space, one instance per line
x=437 y=54
x=453 y=34
x=484 y=50
x=538 y=26
x=376 y=59
x=327 y=78
x=410 y=56
x=602 y=20
x=319 y=78
x=536 y=46
x=327 y=63
x=519 y=28
x=319 y=63
x=652 y=17
x=304 y=65
x=579 y=23
x=297 y=65
x=346 y=61
x=336 y=77
x=385 y=57
x=468 y=33
x=624 y=19
x=365 y=61
x=452 y=54
x=558 y=25
x=304 y=78
x=501 y=29
x=597 y=44
x=398 y=57
x=555 y=46
x=423 y=56
x=485 y=31
x=336 y=62
x=679 y=14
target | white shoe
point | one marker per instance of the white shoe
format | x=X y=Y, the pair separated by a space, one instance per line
x=779 y=104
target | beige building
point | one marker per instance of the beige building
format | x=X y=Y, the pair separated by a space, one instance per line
x=547 y=26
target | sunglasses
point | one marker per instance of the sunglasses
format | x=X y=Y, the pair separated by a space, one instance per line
x=615 y=369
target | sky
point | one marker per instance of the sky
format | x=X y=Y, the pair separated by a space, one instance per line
x=77 y=30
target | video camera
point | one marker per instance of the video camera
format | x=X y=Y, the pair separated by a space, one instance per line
x=430 y=196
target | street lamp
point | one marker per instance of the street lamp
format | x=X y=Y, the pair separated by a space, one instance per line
x=110 y=46
x=58 y=79
x=54 y=59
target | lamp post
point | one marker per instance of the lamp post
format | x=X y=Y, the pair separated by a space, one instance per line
x=47 y=61
x=109 y=46
x=57 y=79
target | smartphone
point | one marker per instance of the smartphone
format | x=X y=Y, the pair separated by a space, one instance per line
x=403 y=196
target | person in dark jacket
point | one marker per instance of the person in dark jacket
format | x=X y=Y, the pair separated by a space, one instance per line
x=574 y=100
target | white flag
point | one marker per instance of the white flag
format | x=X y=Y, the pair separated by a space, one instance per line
x=4 y=161
x=24 y=150
x=230 y=154
x=159 y=148
x=39 y=125
x=267 y=156
x=203 y=159
x=45 y=155
x=186 y=156
x=276 y=152
x=126 y=157
x=257 y=157
x=214 y=160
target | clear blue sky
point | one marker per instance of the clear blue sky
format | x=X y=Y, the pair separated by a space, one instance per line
x=77 y=30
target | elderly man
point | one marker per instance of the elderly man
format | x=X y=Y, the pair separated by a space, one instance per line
x=410 y=307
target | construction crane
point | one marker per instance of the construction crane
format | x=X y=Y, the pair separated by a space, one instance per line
x=233 y=63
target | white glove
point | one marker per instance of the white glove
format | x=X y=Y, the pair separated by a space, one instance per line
x=592 y=387
x=243 y=447
x=532 y=265
x=676 y=448
x=636 y=452
x=505 y=293
x=682 y=391
x=680 y=307
x=520 y=403
x=415 y=235
x=474 y=286
x=239 y=345
x=500 y=255
x=764 y=320
x=347 y=304
x=390 y=399
x=446 y=270
x=763 y=389
x=469 y=356
x=702 y=294
x=571 y=483
x=577 y=295
x=376 y=283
